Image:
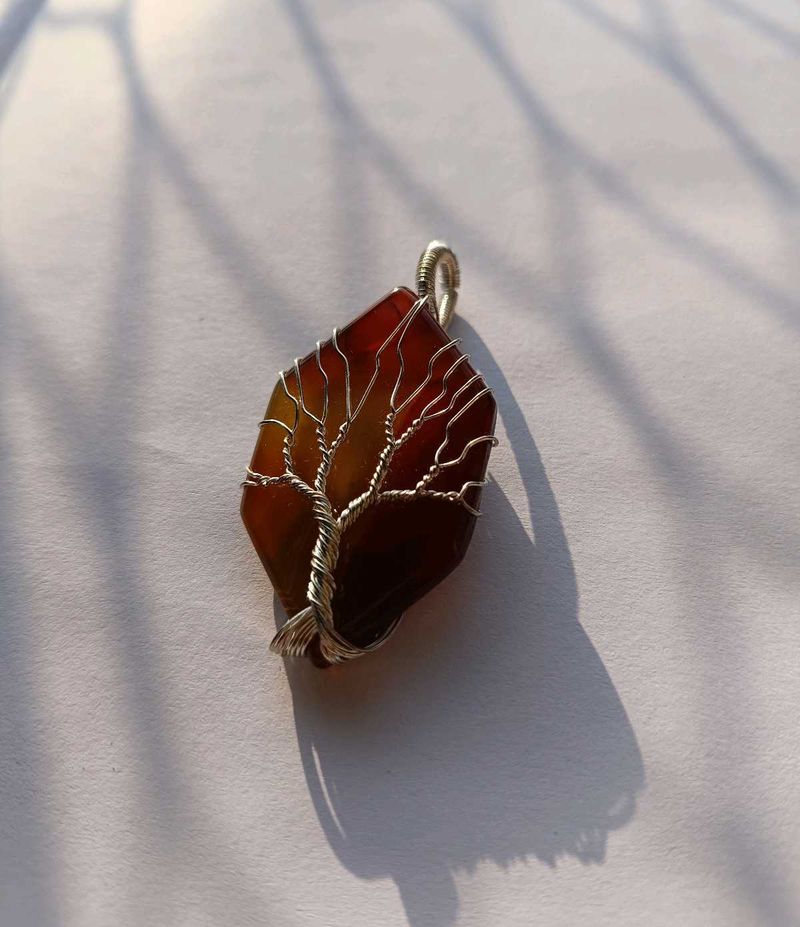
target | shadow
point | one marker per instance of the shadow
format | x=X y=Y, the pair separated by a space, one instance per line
x=20 y=719
x=95 y=438
x=488 y=729
x=602 y=175
x=660 y=46
x=787 y=39
x=569 y=304
x=23 y=759
x=562 y=299
x=225 y=242
x=15 y=26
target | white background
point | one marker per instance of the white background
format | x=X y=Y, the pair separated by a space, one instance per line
x=595 y=719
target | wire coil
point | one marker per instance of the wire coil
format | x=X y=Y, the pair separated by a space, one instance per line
x=438 y=258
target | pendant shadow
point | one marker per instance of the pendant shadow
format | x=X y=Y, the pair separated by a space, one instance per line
x=488 y=729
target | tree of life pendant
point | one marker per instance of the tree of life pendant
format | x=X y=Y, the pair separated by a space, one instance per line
x=365 y=482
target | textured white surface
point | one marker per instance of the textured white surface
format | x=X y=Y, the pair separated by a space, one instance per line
x=595 y=719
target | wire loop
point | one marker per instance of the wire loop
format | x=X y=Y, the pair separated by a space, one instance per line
x=438 y=258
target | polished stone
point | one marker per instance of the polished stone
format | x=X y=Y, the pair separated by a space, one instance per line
x=396 y=550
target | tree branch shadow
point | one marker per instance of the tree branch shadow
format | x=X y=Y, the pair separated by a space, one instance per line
x=761 y=24
x=94 y=437
x=661 y=48
x=14 y=28
x=565 y=303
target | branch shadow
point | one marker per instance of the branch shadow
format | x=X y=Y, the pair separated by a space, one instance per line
x=564 y=302
x=24 y=844
x=93 y=438
x=488 y=730
x=20 y=721
x=760 y=24
x=16 y=25
x=14 y=28
x=660 y=46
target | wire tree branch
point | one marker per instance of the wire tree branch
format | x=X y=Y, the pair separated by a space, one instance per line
x=317 y=619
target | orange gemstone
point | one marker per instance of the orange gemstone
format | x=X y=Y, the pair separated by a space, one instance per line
x=440 y=427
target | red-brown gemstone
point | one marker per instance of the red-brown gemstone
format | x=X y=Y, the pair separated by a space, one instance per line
x=399 y=547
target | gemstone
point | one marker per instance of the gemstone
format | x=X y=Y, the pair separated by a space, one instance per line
x=400 y=425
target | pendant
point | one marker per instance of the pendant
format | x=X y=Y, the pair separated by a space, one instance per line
x=366 y=478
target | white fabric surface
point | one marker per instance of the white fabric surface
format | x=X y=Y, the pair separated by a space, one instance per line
x=595 y=719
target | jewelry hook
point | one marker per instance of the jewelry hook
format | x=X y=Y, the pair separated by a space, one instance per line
x=439 y=258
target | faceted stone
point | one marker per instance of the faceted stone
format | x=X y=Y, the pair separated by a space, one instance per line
x=400 y=546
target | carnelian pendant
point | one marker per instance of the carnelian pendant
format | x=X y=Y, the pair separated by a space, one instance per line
x=366 y=478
